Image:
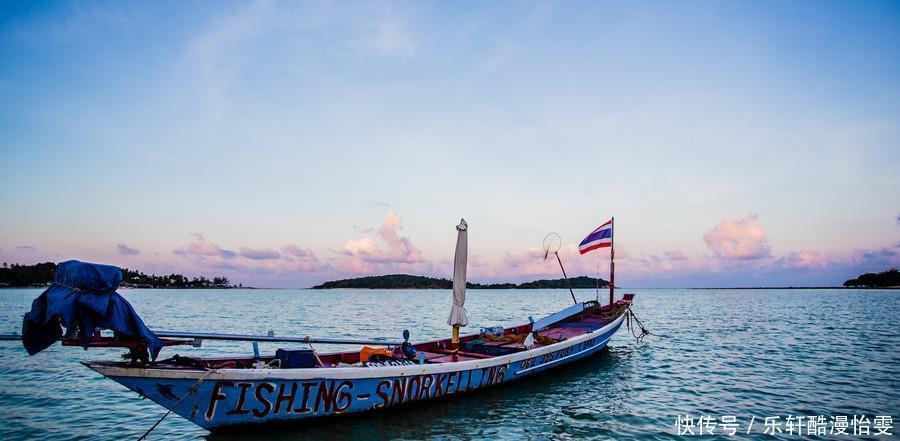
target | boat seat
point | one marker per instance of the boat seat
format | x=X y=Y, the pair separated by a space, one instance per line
x=569 y=332
x=464 y=353
x=449 y=359
x=553 y=333
x=430 y=355
x=591 y=326
x=593 y=319
x=495 y=348
x=562 y=333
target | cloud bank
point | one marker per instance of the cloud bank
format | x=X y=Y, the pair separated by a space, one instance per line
x=739 y=254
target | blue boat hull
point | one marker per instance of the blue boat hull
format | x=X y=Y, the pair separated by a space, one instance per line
x=229 y=398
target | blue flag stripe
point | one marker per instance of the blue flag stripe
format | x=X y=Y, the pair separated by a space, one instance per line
x=602 y=234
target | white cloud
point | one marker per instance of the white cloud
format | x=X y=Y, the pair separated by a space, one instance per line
x=741 y=239
x=387 y=34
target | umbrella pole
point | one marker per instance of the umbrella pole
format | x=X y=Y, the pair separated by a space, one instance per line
x=454 y=343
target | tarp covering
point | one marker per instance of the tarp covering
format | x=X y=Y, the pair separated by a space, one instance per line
x=83 y=295
x=458 y=310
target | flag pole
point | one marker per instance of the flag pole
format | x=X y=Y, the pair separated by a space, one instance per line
x=612 y=260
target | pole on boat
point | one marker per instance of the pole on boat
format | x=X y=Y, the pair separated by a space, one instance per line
x=458 y=311
x=552 y=243
x=569 y=284
x=612 y=260
x=272 y=338
x=250 y=338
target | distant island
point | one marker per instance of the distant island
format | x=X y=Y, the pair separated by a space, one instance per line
x=41 y=274
x=884 y=279
x=406 y=281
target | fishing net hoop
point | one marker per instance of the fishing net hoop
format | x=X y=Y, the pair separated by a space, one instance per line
x=552 y=242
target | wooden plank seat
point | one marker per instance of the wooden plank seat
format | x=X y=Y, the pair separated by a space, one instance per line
x=591 y=326
x=593 y=319
x=552 y=333
x=430 y=355
x=449 y=359
x=464 y=353
x=496 y=343
x=562 y=333
x=495 y=348
x=569 y=332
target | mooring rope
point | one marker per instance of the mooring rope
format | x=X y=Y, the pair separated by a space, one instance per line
x=629 y=315
x=189 y=392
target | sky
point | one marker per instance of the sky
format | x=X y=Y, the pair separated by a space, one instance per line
x=282 y=144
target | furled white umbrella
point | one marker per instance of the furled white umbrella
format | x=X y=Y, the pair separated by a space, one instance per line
x=458 y=312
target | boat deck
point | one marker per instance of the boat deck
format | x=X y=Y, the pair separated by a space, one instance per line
x=471 y=347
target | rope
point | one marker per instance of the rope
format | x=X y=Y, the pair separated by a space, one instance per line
x=189 y=392
x=629 y=315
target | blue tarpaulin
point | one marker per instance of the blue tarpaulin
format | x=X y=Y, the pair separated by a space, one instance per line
x=83 y=296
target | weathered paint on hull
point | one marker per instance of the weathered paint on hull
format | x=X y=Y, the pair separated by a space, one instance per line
x=241 y=397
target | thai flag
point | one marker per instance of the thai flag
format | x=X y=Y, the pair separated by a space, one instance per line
x=599 y=238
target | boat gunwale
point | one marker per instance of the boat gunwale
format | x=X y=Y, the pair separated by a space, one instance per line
x=353 y=372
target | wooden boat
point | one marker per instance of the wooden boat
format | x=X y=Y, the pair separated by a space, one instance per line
x=298 y=385
x=228 y=393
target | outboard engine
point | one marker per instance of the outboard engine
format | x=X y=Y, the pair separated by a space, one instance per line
x=406 y=348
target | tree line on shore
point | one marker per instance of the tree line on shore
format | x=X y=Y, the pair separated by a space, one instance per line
x=884 y=279
x=406 y=281
x=41 y=274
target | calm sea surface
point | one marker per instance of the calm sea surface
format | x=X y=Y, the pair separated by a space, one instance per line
x=747 y=353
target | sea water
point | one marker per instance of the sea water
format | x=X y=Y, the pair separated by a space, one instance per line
x=746 y=354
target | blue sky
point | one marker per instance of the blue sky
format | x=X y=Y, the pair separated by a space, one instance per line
x=737 y=143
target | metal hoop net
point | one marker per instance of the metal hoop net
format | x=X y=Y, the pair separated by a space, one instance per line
x=552 y=242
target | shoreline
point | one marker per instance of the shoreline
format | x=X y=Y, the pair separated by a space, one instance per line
x=890 y=288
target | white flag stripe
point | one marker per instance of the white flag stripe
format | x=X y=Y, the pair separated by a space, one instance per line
x=596 y=242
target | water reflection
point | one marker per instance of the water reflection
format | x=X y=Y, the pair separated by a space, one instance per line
x=719 y=352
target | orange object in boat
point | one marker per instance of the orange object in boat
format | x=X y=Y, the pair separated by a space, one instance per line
x=366 y=353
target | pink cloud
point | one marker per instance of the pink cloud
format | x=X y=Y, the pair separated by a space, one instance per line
x=738 y=239
x=530 y=264
x=301 y=259
x=399 y=249
x=125 y=250
x=808 y=266
x=806 y=258
x=257 y=266
x=393 y=253
x=675 y=255
x=886 y=257
x=278 y=268
x=364 y=246
x=201 y=248
x=740 y=256
x=294 y=250
x=259 y=254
